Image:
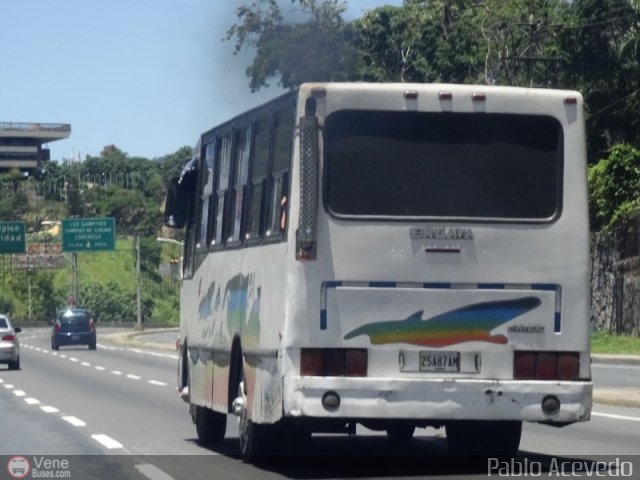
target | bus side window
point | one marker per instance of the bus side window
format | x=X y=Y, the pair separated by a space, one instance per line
x=204 y=229
x=281 y=163
x=258 y=173
x=224 y=162
x=188 y=258
x=240 y=174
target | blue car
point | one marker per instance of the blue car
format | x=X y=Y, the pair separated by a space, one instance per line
x=74 y=326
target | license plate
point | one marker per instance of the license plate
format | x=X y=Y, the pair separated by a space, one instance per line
x=75 y=337
x=432 y=361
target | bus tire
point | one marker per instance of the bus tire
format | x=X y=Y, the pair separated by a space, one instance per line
x=400 y=433
x=295 y=438
x=482 y=437
x=257 y=442
x=210 y=426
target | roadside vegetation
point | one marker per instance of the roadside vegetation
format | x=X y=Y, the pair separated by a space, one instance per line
x=130 y=190
x=603 y=342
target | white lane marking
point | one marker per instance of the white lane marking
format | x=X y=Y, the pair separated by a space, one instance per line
x=32 y=401
x=153 y=472
x=19 y=393
x=133 y=377
x=156 y=382
x=106 y=441
x=1 y=381
x=100 y=369
x=616 y=417
x=8 y=386
x=49 y=409
x=38 y=349
x=62 y=355
x=154 y=354
x=85 y=364
x=55 y=354
x=73 y=359
x=75 y=421
x=116 y=372
x=45 y=351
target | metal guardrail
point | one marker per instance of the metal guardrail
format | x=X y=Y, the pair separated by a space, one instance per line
x=47 y=127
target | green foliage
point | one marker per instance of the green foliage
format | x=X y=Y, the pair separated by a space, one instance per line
x=135 y=213
x=312 y=46
x=7 y=304
x=129 y=189
x=75 y=205
x=604 y=66
x=167 y=309
x=108 y=301
x=34 y=293
x=14 y=200
x=602 y=342
x=150 y=257
x=588 y=45
x=614 y=187
x=170 y=166
x=465 y=41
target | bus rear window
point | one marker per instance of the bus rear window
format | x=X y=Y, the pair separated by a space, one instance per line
x=443 y=165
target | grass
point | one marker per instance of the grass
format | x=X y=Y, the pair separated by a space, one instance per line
x=602 y=342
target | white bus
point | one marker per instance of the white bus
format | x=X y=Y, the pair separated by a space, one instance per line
x=390 y=255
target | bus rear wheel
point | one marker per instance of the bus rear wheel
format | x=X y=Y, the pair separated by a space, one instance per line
x=400 y=433
x=210 y=426
x=256 y=441
x=481 y=437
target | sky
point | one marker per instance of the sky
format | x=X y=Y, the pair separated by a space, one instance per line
x=145 y=75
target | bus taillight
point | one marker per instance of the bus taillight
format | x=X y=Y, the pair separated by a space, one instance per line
x=546 y=366
x=568 y=366
x=333 y=362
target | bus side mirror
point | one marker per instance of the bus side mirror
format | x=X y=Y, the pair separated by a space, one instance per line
x=175 y=210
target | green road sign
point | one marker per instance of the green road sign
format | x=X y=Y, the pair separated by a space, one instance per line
x=88 y=234
x=12 y=237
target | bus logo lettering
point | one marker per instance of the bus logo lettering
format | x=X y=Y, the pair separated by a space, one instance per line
x=441 y=233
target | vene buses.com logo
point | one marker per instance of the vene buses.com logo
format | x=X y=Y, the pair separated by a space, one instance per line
x=18 y=467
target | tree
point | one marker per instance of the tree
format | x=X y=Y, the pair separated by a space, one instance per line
x=171 y=165
x=135 y=213
x=75 y=203
x=311 y=45
x=614 y=186
x=14 y=201
x=465 y=41
x=604 y=65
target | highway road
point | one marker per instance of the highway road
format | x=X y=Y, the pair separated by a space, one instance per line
x=114 y=413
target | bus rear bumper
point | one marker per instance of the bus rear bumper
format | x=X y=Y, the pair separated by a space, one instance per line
x=438 y=399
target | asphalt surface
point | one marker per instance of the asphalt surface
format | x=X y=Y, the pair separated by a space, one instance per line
x=164 y=339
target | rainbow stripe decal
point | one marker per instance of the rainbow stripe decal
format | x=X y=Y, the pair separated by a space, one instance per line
x=472 y=323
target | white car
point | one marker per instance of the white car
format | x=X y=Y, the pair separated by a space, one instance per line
x=9 y=343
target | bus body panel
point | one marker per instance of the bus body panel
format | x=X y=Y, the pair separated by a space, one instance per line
x=376 y=274
x=237 y=300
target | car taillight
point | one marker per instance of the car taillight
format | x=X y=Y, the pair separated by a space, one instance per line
x=546 y=365
x=8 y=338
x=333 y=362
x=92 y=325
x=57 y=327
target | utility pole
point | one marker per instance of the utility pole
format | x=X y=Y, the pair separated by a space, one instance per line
x=535 y=31
x=74 y=276
x=138 y=293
